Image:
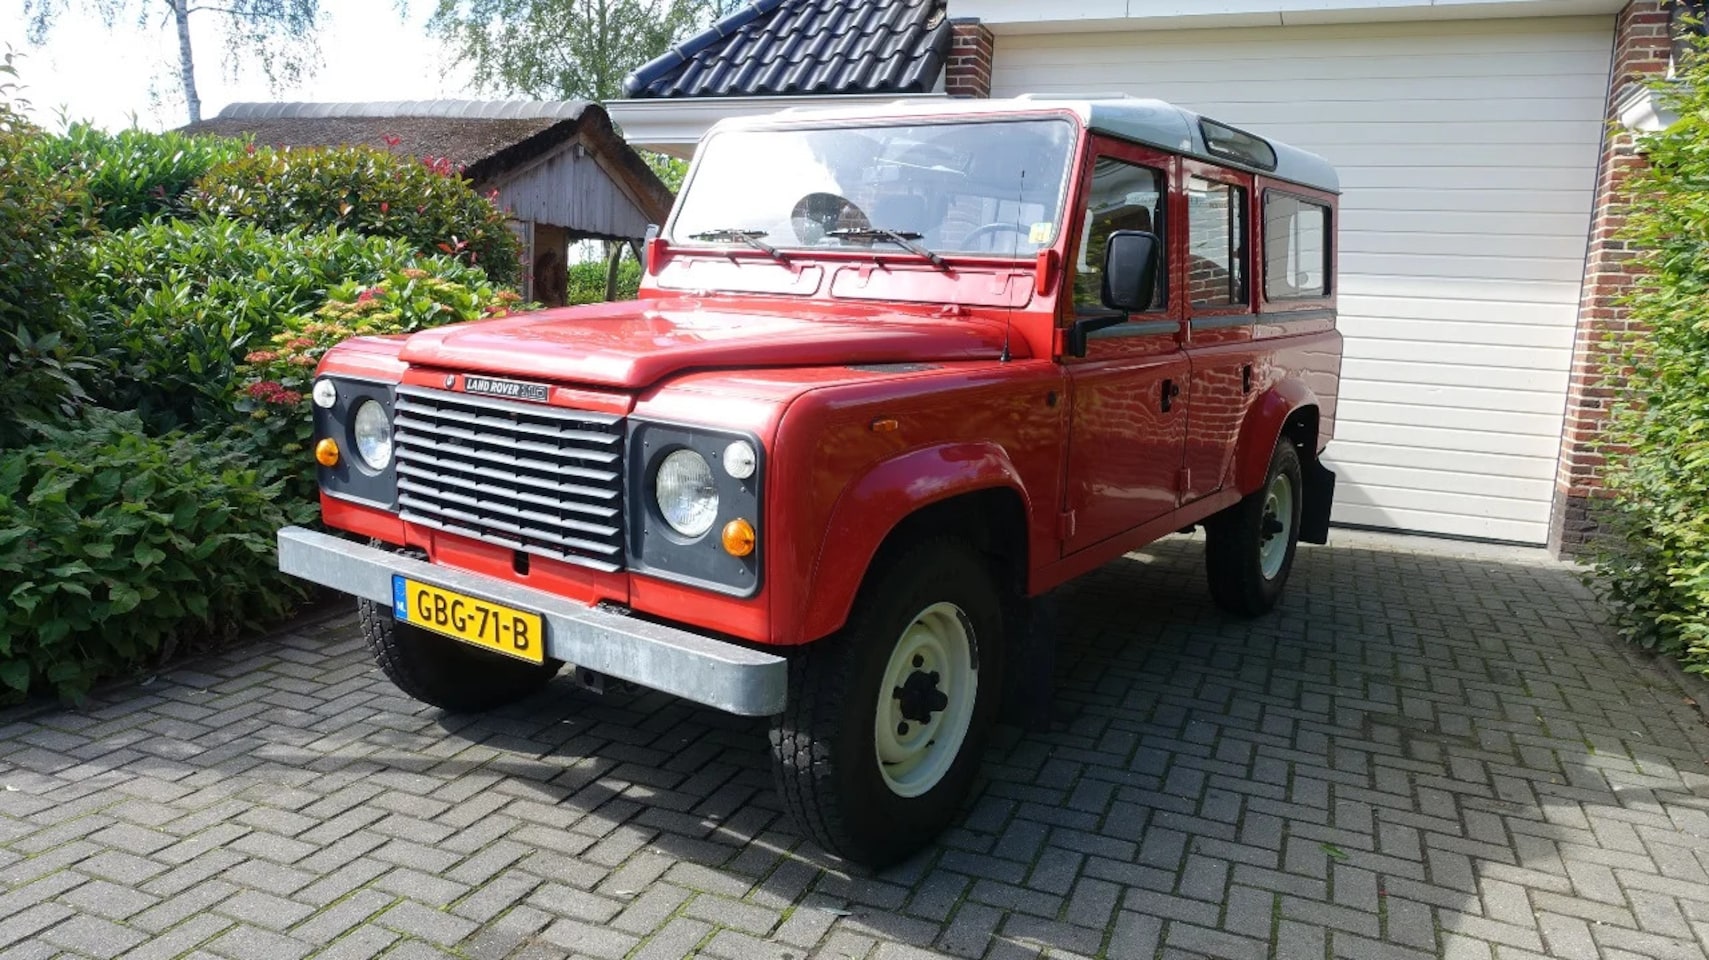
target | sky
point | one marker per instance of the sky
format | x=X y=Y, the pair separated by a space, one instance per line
x=370 y=51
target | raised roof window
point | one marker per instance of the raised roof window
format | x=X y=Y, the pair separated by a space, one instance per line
x=1237 y=145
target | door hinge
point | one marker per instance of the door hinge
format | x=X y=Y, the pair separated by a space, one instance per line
x=1065 y=525
x=1184 y=479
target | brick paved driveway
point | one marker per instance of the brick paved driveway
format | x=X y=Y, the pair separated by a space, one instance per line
x=1430 y=750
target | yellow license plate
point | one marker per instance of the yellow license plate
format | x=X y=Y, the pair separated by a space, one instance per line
x=489 y=625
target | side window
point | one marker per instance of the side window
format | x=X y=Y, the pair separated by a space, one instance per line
x=1216 y=244
x=1296 y=247
x=1123 y=196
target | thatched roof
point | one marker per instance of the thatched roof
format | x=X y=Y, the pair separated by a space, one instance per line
x=488 y=138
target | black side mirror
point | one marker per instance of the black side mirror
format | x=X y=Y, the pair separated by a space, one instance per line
x=1130 y=270
x=1131 y=260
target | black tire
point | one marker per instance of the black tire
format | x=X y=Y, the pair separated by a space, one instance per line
x=824 y=746
x=1235 y=540
x=443 y=671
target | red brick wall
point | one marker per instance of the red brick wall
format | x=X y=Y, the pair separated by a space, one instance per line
x=1641 y=49
x=968 y=73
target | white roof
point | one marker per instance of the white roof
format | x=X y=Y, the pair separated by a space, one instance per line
x=1151 y=122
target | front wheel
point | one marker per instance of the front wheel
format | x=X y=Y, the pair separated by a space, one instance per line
x=1249 y=547
x=886 y=721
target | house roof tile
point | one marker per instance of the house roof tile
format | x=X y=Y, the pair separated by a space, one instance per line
x=795 y=47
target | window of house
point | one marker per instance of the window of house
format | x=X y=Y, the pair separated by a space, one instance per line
x=1123 y=196
x=1296 y=247
x=1216 y=244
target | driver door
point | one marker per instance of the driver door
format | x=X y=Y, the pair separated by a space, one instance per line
x=1128 y=423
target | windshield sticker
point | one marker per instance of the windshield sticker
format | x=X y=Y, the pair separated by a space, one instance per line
x=1041 y=232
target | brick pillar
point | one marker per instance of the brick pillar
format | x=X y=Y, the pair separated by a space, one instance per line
x=1642 y=46
x=971 y=49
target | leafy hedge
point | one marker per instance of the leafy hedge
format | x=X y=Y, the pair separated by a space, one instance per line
x=1655 y=565
x=585 y=282
x=133 y=176
x=423 y=202
x=114 y=545
x=39 y=340
x=173 y=306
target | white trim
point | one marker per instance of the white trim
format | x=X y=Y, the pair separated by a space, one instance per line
x=674 y=125
x=1641 y=110
x=1033 y=16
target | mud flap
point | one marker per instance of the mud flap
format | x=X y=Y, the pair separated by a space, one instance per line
x=1319 y=497
x=1029 y=672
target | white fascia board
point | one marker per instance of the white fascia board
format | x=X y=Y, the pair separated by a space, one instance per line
x=1036 y=16
x=674 y=125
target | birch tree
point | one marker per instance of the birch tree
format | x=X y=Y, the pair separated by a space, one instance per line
x=275 y=35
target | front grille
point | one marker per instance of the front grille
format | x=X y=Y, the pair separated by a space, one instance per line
x=526 y=476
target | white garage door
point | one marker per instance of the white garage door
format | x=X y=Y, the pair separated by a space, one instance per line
x=1467 y=153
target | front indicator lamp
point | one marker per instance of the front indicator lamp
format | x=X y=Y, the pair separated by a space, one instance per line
x=325 y=393
x=326 y=452
x=740 y=460
x=738 y=538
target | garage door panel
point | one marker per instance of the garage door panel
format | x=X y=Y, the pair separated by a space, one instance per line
x=1363 y=329
x=1468 y=155
x=1514 y=451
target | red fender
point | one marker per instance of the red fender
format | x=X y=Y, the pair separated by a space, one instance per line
x=1263 y=425
x=871 y=507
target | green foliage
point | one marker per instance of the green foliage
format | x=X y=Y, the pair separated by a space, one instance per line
x=585 y=282
x=115 y=546
x=132 y=176
x=39 y=340
x=424 y=202
x=172 y=307
x=272 y=400
x=1655 y=564
x=572 y=49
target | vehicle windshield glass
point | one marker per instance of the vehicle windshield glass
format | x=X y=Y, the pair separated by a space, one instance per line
x=990 y=187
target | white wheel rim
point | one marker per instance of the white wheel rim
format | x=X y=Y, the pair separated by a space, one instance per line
x=1276 y=529
x=917 y=745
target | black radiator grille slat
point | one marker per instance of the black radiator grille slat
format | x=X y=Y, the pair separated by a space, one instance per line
x=530 y=477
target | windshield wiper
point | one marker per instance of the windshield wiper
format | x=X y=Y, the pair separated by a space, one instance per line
x=753 y=238
x=902 y=238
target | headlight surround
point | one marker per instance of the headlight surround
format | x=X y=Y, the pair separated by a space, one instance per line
x=372 y=429
x=686 y=493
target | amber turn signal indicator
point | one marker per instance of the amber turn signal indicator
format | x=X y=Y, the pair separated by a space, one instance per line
x=326 y=452
x=885 y=425
x=738 y=538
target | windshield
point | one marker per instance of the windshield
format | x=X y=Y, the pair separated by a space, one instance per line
x=992 y=187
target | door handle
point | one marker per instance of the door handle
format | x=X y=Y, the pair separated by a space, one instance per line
x=1171 y=390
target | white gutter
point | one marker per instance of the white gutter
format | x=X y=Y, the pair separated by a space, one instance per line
x=1035 y=16
x=674 y=125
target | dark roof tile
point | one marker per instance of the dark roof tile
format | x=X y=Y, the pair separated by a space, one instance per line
x=785 y=47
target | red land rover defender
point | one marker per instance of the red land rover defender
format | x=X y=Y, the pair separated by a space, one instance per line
x=893 y=373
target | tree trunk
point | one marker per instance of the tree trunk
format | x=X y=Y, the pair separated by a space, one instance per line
x=186 y=61
x=613 y=259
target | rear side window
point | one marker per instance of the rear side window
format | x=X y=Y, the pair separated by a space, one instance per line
x=1216 y=244
x=1296 y=247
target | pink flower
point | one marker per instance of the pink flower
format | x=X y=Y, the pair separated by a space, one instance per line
x=261 y=356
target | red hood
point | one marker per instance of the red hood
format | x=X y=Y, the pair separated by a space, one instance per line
x=636 y=343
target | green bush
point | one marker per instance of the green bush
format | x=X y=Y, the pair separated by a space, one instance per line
x=172 y=307
x=585 y=282
x=1655 y=564
x=423 y=202
x=39 y=340
x=272 y=401
x=132 y=176
x=116 y=546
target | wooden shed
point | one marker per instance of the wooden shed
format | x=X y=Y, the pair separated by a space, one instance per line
x=560 y=168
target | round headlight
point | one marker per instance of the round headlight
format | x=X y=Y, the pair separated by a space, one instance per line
x=373 y=431
x=325 y=394
x=687 y=494
x=739 y=460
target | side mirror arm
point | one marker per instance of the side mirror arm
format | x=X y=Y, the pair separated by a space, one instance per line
x=1083 y=327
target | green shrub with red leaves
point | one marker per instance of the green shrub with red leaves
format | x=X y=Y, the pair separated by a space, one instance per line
x=422 y=201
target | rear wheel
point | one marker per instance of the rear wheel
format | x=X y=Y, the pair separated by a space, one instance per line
x=886 y=720
x=1249 y=547
x=443 y=671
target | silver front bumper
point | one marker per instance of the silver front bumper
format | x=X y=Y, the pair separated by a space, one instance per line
x=714 y=672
